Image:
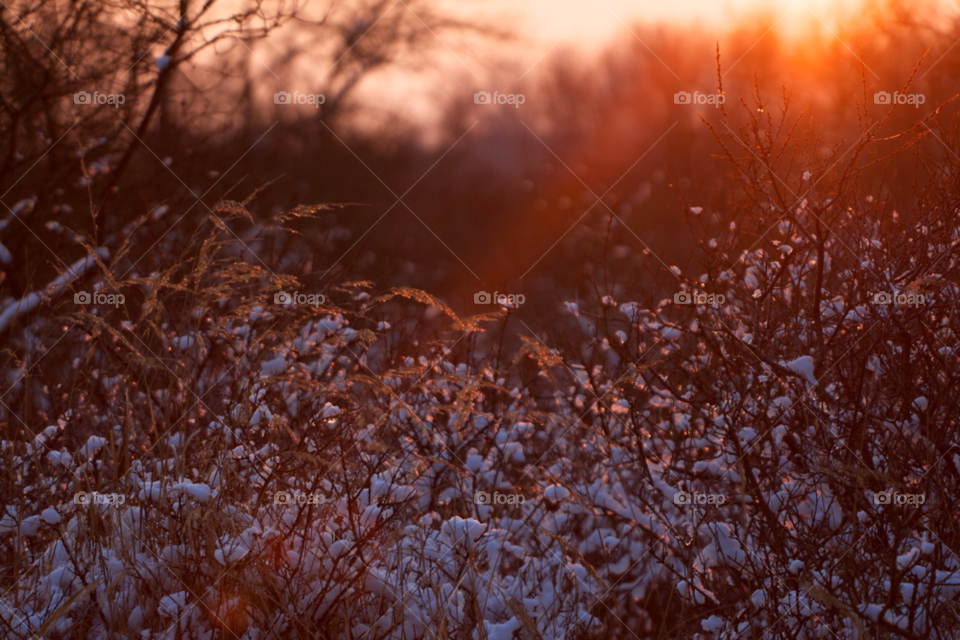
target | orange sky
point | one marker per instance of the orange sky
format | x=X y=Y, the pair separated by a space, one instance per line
x=591 y=22
x=460 y=64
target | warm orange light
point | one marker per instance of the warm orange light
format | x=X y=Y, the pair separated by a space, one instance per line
x=590 y=23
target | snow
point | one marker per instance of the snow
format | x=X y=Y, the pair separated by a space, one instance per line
x=60 y=458
x=871 y=611
x=556 y=492
x=29 y=526
x=135 y=619
x=466 y=531
x=92 y=447
x=712 y=624
x=273 y=367
x=182 y=342
x=513 y=452
x=907 y=559
x=802 y=366
x=171 y=605
x=670 y=333
x=233 y=551
x=501 y=630
x=329 y=411
x=199 y=492
x=32 y=300
x=724 y=549
x=597 y=449
x=151 y=491
x=474 y=463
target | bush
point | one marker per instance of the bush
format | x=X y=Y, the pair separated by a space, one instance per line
x=211 y=441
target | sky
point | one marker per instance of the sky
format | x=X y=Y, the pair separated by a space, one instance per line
x=545 y=27
x=590 y=23
x=459 y=64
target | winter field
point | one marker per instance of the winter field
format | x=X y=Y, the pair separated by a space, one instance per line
x=724 y=404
